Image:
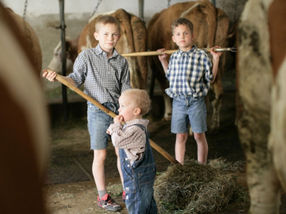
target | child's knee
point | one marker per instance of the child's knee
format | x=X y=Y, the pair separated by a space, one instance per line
x=99 y=155
x=199 y=137
x=182 y=137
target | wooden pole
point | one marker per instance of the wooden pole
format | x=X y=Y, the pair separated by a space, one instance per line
x=148 y=53
x=64 y=81
x=156 y=53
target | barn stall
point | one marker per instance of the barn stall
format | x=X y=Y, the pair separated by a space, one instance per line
x=69 y=184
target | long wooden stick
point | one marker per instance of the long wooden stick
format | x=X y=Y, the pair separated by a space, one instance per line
x=155 y=53
x=63 y=80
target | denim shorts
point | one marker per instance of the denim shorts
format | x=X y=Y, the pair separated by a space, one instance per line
x=98 y=122
x=189 y=111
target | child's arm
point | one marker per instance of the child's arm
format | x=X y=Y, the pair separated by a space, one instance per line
x=51 y=76
x=131 y=138
x=215 y=61
x=125 y=80
x=163 y=59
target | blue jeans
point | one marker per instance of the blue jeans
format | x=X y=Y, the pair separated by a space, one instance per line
x=98 y=122
x=138 y=180
x=139 y=197
x=188 y=110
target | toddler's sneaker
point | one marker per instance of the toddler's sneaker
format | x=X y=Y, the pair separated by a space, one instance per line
x=123 y=196
x=106 y=202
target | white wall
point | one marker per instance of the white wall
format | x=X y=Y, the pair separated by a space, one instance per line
x=232 y=8
x=40 y=7
x=43 y=15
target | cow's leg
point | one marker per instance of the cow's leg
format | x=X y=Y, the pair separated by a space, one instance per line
x=160 y=76
x=262 y=181
x=277 y=142
x=139 y=39
x=168 y=107
x=254 y=82
x=215 y=105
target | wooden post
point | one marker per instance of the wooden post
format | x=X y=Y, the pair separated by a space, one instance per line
x=63 y=56
x=141 y=9
x=214 y=2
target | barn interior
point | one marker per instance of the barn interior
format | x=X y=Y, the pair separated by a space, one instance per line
x=69 y=186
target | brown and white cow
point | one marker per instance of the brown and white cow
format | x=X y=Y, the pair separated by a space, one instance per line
x=261 y=110
x=30 y=40
x=211 y=26
x=24 y=121
x=277 y=30
x=133 y=39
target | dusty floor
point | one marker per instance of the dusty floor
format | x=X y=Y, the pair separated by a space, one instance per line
x=69 y=186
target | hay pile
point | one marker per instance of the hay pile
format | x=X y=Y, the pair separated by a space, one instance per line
x=193 y=188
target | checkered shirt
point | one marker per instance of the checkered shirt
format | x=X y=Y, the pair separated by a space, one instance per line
x=104 y=78
x=189 y=73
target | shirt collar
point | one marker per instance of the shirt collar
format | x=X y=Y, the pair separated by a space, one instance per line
x=188 y=52
x=99 y=51
x=142 y=121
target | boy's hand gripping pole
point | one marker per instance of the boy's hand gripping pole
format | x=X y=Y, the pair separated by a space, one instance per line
x=62 y=80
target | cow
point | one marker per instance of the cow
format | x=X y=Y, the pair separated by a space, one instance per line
x=26 y=33
x=261 y=101
x=133 y=39
x=211 y=27
x=24 y=127
x=277 y=142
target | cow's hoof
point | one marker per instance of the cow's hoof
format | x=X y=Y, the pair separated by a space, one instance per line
x=168 y=116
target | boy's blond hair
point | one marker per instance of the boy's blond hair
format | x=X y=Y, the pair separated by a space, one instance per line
x=140 y=98
x=106 y=19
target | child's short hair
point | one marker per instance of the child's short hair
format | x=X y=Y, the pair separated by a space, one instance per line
x=106 y=19
x=140 y=97
x=182 y=21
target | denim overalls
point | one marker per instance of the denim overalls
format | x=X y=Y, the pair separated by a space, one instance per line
x=139 y=180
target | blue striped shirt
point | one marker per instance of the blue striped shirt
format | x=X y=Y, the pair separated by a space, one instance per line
x=189 y=73
x=104 y=78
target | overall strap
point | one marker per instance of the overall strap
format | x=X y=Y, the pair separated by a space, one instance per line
x=148 y=156
x=144 y=129
x=141 y=126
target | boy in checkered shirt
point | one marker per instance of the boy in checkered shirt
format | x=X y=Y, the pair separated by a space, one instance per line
x=190 y=72
x=105 y=75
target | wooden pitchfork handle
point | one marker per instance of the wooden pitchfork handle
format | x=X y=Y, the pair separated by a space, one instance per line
x=155 y=53
x=63 y=80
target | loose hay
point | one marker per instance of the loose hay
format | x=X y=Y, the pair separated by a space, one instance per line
x=193 y=188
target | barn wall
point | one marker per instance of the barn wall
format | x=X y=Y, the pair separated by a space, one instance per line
x=44 y=17
x=39 y=7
